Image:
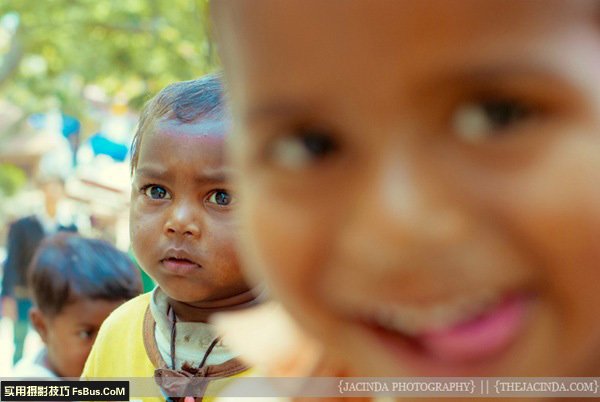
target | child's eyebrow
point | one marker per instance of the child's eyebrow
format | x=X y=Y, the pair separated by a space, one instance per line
x=485 y=73
x=212 y=178
x=152 y=172
x=550 y=72
x=216 y=176
x=277 y=108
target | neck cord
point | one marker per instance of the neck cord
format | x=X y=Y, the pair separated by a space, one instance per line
x=174 y=341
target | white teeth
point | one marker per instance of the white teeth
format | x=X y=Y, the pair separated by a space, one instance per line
x=407 y=322
x=384 y=316
x=414 y=320
x=403 y=321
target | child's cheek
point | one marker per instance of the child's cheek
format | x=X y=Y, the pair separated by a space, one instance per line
x=557 y=205
x=553 y=212
x=287 y=244
x=285 y=249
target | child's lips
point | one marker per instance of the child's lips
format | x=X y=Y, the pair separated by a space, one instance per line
x=453 y=335
x=481 y=336
x=180 y=266
x=180 y=261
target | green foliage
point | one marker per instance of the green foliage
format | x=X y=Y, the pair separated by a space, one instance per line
x=11 y=179
x=130 y=48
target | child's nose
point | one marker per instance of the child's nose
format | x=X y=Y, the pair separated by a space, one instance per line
x=183 y=220
x=405 y=206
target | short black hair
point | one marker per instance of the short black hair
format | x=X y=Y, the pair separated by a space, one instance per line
x=67 y=267
x=184 y=101
x=24 y=236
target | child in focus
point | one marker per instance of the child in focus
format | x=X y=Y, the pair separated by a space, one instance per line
x=182 y=231
x=75 y=284
x=420 y=179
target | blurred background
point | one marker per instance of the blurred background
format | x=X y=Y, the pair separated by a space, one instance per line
x=74 y=75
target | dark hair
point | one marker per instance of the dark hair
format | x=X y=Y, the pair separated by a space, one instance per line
x=185 y=102
x=67 y=266
x=24 y=236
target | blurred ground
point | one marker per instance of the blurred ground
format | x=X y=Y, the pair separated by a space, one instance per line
x=33 y=344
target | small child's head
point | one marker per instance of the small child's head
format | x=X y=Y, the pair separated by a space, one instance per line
x=420 y=179
x=181 y=222
x=75 y=284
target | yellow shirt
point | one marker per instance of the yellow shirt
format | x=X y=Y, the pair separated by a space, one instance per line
x=119 y=350
x=119 y=347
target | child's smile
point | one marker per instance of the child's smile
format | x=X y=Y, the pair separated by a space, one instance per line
x=458 y=333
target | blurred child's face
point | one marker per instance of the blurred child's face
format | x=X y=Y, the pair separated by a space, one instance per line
x=421 y=179
x=69 y=336
x=181 y=225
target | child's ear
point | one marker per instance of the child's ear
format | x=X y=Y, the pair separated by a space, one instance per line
x=39 y=322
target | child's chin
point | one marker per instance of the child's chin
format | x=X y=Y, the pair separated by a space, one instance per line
x=186 y=291
x=192 y=299
x=502 y=365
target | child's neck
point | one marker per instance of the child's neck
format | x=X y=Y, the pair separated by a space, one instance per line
x=48 y=364
x=202 y=310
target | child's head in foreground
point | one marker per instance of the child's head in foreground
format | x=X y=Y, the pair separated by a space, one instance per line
x=75 y=284
x=181 y=222
x=420 y=179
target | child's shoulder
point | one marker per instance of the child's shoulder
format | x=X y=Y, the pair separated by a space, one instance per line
x=137 y=303
x=129 y=312
x=32 y=366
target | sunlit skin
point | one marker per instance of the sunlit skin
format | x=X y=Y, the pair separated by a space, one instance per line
x=70 y=334
x=181 y=204
x=397 y=153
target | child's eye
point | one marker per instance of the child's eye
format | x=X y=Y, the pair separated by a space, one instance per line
x=156 y=192
x=478 y=120
x=221 y=198
x=299 y=150
x=85 y=334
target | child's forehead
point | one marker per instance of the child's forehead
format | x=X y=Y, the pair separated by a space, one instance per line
x=313 y=35
x=367 y=16
x=315 y=50
x=182 y=147
x=206 y=127
x=85 y=309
